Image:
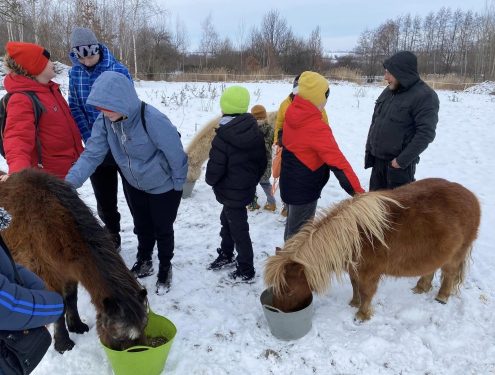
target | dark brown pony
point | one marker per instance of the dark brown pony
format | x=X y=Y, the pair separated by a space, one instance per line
x=409 y=231
x=55 y=235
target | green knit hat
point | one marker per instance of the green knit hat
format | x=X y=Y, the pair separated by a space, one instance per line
x=234 y=100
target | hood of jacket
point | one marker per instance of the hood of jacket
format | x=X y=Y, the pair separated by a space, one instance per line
x=15 y=83
x=113 y=91
x=300 y=113
x=241 y=132
x=404 y=67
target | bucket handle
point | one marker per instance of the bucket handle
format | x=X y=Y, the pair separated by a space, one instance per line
x=273 y=309
x=142 y=347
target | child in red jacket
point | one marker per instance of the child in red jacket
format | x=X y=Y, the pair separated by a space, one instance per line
x=31 y=70
x=310 y=153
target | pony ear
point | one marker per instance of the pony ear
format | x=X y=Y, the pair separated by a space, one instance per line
x=110 y=306
x=278 y=250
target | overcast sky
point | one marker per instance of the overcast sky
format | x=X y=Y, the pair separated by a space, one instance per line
x=341 y=21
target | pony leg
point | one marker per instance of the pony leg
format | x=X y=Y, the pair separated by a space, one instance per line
x=74 y=323
x=61 y=336
x=367 y=289
x=424 y=284
x=356 y=298
x=450 y=276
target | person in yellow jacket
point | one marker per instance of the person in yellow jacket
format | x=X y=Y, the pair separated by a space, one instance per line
x=279 y=120
x=279 y=123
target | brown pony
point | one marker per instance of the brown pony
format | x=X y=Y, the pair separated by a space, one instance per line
x=409 y=231
x=55 y=235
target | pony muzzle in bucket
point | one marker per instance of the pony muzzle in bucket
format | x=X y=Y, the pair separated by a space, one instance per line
x=145 y=359
x=286 y=326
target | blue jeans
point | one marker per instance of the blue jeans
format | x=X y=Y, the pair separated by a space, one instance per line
x=298 y=215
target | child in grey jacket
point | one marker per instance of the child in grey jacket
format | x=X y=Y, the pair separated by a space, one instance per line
x=152 y=160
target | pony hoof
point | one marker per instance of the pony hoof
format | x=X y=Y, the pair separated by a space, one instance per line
x=362 y=316
x=442 y=300
x=354 y=303
x=64 y=345
x=418 y=290
x=79 y=328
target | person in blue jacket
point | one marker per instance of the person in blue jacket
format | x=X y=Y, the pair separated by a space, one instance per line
x=89 y=59
x=152 y=160
x=24 y=306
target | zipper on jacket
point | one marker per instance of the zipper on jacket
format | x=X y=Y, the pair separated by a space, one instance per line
x=123 y=139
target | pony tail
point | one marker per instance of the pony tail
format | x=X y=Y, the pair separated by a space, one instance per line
x=275 y=273
x=461 y=272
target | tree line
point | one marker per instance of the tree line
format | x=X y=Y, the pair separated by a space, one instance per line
x=137 y=32
x=446 y=42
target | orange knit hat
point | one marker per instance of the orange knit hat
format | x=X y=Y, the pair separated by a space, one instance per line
x=31 y=57
x=259 y=112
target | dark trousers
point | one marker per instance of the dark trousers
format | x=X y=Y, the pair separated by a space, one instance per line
x=154 y=216
x=105 y=186
x=297 y=216
x=235 y=232
x=384 y=176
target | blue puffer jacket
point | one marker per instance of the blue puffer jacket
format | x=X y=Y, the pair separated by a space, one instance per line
x=28 y=306
x=81 y=80
x=151 y=160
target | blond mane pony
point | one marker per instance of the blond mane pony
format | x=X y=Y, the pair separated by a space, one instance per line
x=329 y=244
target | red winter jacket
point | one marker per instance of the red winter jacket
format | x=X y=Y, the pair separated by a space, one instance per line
x=58 y=133
x=310 y=150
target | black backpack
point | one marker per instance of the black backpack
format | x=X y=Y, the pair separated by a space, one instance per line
x=38 y=109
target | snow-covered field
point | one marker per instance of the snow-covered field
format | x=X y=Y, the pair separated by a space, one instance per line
x=221 y=328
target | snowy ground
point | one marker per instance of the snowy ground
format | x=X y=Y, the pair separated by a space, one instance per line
x=222 y=330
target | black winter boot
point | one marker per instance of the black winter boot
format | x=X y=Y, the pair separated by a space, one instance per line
x=164 y=280
x=142 y=268
x=223 y=260
x=242 y=276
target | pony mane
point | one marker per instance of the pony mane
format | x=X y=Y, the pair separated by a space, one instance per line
x=119 y=281
x=329 y=243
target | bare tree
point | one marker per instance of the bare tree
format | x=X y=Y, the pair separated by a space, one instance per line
x=276 y=33
x=181 y=39
x=241 y=39
x=209 y=38
x=315 y=49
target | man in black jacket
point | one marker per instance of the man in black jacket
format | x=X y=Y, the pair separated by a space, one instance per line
x=237 y=162
x=403 y=124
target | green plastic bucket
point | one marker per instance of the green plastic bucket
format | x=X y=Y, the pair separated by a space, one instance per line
x=145 y=359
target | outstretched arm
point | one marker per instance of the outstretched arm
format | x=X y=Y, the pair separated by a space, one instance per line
x=25 y=308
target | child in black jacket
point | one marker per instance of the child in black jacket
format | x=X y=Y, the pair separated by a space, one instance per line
x=237 y=162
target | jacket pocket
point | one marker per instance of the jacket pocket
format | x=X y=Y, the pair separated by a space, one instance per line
x=400 y=114
x=400 y=176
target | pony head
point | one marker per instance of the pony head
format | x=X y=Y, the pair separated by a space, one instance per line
x=291 y=291
x=120 y=324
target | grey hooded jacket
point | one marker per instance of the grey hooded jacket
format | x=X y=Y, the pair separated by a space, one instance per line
x=152 y=159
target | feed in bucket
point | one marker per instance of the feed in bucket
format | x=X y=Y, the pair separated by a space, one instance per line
x=149 y=360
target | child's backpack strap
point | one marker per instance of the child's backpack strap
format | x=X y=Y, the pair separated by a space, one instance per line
x=38 y=110
x=143 y=118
